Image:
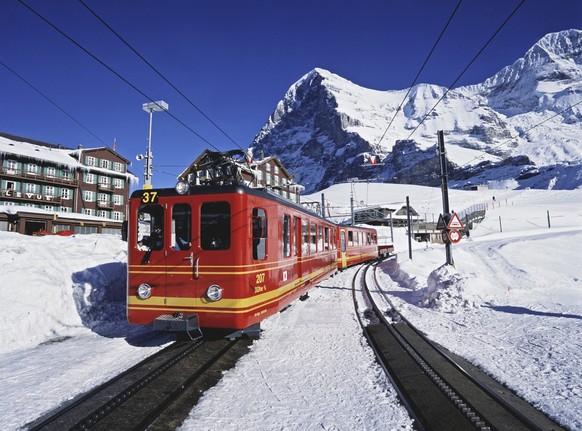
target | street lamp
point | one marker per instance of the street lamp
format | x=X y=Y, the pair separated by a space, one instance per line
x=151 y=107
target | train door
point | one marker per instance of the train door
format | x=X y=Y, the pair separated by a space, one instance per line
x=343 y=254
x=150 y=234
x=180 y=259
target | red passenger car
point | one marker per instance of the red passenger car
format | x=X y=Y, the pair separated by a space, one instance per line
x=357 y=245
x=223 y=256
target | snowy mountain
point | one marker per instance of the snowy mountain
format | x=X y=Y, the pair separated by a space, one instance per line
x=520 y=128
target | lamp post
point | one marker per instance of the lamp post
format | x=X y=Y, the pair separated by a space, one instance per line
x=151 y=107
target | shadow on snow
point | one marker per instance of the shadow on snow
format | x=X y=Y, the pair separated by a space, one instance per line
x=99 y=295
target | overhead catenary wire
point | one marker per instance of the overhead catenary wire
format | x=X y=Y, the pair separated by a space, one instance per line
x=420 y=70
x=467 y=67
x=126 y=43
x=125 y=80
x=52 y=102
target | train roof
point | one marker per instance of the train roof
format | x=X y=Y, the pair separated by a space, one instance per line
x=230 y=189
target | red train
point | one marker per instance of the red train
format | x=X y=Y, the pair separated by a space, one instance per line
x=228 y=256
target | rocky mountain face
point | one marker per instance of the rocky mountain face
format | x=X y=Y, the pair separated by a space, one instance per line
x=520 y=128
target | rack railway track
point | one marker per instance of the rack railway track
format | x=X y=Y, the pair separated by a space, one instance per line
x=440 y=391
x=157 y=393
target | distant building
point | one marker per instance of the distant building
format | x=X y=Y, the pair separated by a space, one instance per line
x=47 y=188
x=381 y=215
x=268 y=173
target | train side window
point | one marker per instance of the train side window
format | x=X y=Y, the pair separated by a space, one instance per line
x=296 y=246
x=320 y=238
x=305 y=235
x=326 y=240
x=215 y=226
x=286 y=235
x=313 y=245
x=260 y=233
x=150 y=227
x=350 y=238
x=181 y=227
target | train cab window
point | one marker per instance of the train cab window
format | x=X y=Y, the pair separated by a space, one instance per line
x=343 y=241
x=286 y=235
x=215 y=226
x=150 y=227
x=181 y=227
x=260 y=233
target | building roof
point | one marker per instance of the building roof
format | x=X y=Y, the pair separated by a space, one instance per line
x=57 y=154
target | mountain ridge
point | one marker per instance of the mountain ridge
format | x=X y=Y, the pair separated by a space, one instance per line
x=511 y=126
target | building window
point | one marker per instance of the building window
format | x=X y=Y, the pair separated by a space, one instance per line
x=102 y=197
x=49 y=191
x=105 y=164
x=51 y=172
x=10 y=185
x=88 y=211
x=90 y=161
x=118 y=167
x=268 y=167
x=67 y=174
x=118 y=199
x=48 y=208
x=31 y=168
x=30 y=188
x=276 y=170
x=89 y=196
x=12 y=165
x=102 y=214
x=104 y=181
x=89 y=178
x=118 y=183
x=117 y=216
x=66 y=193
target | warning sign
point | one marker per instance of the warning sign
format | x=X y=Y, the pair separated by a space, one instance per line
x=455 y=222
x=441 y=224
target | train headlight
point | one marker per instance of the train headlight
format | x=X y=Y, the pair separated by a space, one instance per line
x=214 y=292
x=144 y=291
x=182 y=187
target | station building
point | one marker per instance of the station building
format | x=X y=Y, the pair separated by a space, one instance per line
x=49 y=189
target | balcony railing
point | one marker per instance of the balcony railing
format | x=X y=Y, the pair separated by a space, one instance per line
x=19 y=173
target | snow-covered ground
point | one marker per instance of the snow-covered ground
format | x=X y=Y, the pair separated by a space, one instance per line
x=512 y=304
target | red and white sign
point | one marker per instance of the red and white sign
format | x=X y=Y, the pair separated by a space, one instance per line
x=454 y=236
x=455 y=222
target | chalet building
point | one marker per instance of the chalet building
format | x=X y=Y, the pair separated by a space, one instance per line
x=47 y=188
x=268 y=173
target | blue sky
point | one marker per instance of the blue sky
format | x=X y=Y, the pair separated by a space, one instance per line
x=235 y=60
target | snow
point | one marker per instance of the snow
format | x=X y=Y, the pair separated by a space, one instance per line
x=511 y=304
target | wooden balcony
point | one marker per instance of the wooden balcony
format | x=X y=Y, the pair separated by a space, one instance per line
x=20 y=174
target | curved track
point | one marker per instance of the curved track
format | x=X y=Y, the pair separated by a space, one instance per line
x=439 y=391
x=157 y=393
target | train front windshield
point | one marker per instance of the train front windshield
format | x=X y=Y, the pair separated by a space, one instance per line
x=212 y=232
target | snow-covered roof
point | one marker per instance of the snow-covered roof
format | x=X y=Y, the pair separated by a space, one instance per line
x=60 y=156
x=20 y=148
